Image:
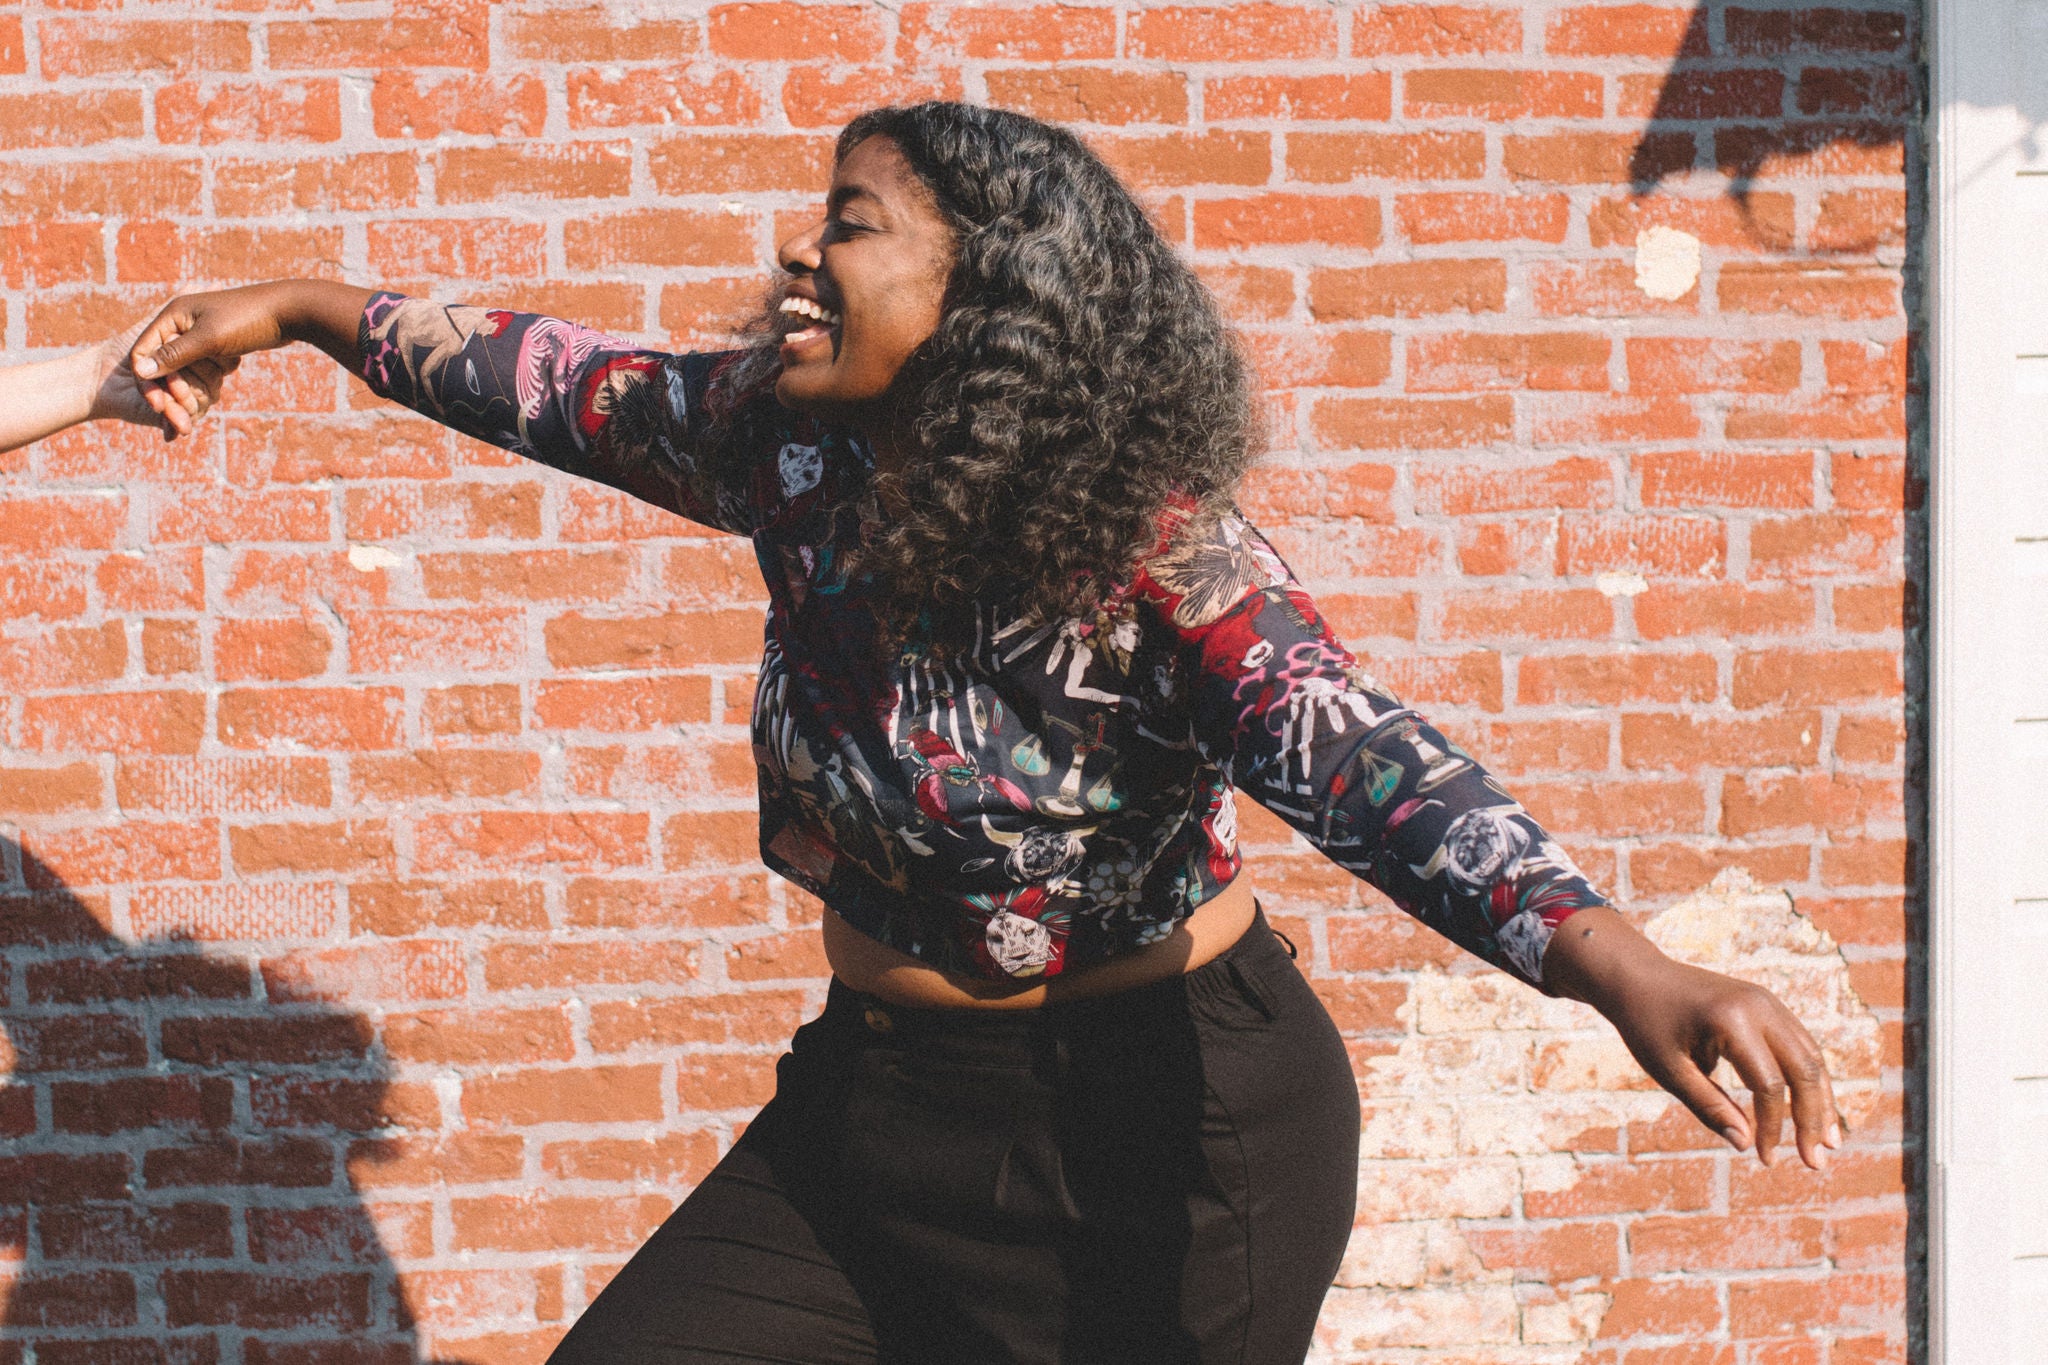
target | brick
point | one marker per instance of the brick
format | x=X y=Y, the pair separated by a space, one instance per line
x=1793 y=677
x=569 y=170
x=605 y=98
x=830 y=97
x=62 y=657
x=500 y=107
x=1333 y=158
x=259 y=1300
x=1839 y=803
x=577 y=841
x=1765 y=221
x=377 y=181
x=1808 y=291
x=1607 y=680
x=1091 y=95
x=1217 y=157
x=598 y=33
x=1435 y=30
x=86 y=1298
x=1805 y=547
x=585 y=1094
x=1670 y=610
x=1690 y=741
x=444 y=774
x=342 y=718
x=1839 y=1302
x=1351 y=98
x=1458 y=362
x=556 y=1222
x=753 y=1017
x=1700 y=478
x=76 y=119
x=146 y=722
x=134 y=850
x=188 y=1230
x=1231 y=33
x=1408 y=289
x=487 y=709
x=1673 y=546
x=105 y=1108
x=1575 y=158
x=1500 y=96
x=1720 y=93
x=1412 y=423
x=1434 y=218
x=50 y=253
x=671 y=641
x=1537 y=614
x=1703 y=365
x=784 y=32
x=1773 y=33
x=1660 y=31
x=467 y=1036
x=1632 y=1187
x=49 y=791
x=1286 y=219
x=1859 y=220
x=1811 y=149
x=34 y=587
x=665 y=1159
x=658 y=237
x=1864 y=367
x=455 y=34
x=213 y=112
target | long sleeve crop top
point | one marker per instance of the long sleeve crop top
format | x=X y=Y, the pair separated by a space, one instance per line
x=1055 y=793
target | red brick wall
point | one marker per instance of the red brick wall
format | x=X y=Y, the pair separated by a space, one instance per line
x=383 y=953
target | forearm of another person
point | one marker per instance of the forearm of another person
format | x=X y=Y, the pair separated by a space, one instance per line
x=230 y=323
x=44 y=398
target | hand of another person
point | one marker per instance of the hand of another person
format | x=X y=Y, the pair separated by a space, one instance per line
x=1680 y=1021
x=183 y=396
x=198 y=329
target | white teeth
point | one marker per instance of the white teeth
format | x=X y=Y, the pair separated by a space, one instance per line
x=806 y=308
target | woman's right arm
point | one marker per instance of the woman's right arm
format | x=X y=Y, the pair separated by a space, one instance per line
x=547 y=389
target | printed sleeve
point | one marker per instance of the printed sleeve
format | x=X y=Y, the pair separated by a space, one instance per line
x=1310 y=735
x=558 y=393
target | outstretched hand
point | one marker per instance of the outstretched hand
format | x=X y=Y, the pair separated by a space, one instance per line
x=1680 y=1022
x=198 y=330
x=173 y=402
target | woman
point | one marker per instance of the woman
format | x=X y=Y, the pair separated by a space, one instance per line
x=1069 y=1098
x=96 y=384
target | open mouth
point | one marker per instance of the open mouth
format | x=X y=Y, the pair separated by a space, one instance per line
x=807 y=320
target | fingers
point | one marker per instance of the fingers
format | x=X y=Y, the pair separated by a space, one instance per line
x=146 y=356
x=1710 y=1104
x=1758 y=1066
x=1816 y=1123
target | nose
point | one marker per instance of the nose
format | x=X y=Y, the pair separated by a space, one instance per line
x=799 y=255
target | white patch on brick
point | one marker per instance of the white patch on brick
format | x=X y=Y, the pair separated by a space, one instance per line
x=1622 y=584
x=369 y=558
x=1667 y=262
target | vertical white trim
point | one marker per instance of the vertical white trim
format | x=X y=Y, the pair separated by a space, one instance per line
x=1976 y=134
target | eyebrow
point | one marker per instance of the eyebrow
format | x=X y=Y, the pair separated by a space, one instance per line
x=841 y=195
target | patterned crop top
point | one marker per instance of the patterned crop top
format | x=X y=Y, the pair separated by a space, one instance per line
x=1055 y=794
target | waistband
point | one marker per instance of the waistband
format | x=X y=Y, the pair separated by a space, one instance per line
x=988 y=1037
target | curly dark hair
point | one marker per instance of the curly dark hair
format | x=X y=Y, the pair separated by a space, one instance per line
x=1081 y=376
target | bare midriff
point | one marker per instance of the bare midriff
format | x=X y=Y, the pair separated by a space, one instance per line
x=895 y=976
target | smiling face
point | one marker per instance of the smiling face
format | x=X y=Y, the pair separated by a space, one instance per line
x=868 y=288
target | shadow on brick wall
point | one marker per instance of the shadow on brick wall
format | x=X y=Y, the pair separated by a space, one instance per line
x=174 y=1186
x=1753 y=86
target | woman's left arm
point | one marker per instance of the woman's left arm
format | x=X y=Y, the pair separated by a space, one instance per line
x=1310 y=735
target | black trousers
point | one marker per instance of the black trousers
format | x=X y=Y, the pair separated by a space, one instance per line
x=1164 y=1175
